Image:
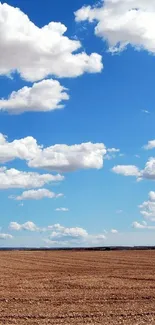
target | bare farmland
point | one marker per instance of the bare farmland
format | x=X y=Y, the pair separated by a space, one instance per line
x=61 y=287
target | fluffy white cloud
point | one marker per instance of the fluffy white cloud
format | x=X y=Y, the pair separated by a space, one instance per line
x=114 y=231
x=58 y=235
x=123 y=22
x=150 y=145
x=62 y=236
x=29 y=226
x=38 y=52
x=13 y=178
x=64 y=158
x=25 y=149
x=59 y=231
x=152 y=196
x=69 y=236
x=37 y=195
x=130 y=170
x=142 y=225
x=62 y=209
x=43 y=96
x=59 y=157
x=5 y=236
x=149 y=171
x=147 y=208
x=98 y=240
x=126 y=170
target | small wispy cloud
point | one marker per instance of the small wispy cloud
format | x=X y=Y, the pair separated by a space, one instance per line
x=114 y=231
x=62 y=209
x=5 y=236
x=145 y=111
x=143 y=225
x=111 y=153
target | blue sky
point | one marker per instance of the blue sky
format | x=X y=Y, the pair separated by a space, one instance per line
x=109 y=101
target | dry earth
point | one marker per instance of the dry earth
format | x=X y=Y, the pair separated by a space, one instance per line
x=77 y=287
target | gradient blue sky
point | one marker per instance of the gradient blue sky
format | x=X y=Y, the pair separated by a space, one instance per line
x=107 y=107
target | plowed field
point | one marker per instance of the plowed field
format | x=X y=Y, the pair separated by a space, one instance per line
x=62 y=287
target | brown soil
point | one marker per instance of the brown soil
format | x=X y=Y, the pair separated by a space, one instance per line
x=77 y=287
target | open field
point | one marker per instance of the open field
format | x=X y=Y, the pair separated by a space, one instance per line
x=77 y=287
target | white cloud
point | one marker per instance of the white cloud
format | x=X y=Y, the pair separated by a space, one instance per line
x=123 y=22
x=66 y=158
x=59 y=157
x=152 y=196
x=149 y=171
x=150 y=145
x=29 y=226
x=43 y=96
x=145 y=111
x=113 y=150
x=126 y=170
x=13 y=178
x=130 y=170
x=94 y=240
x=147 y=208
x=5 y=236
x=38 y=52
x=62 y=209
x=111 y=153
x=61 y=232
x=62 y=236
x=58 y=235
x=37 y=195
x=24 y=149
x=98 y=240
x=114 y=231
x=142 y=225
